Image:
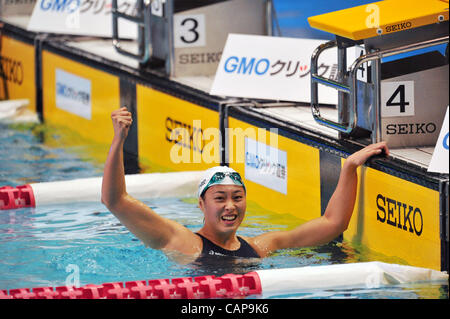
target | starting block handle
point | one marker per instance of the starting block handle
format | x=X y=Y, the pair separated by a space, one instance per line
x=376 y=56
x=142 y=19
x=352 y=88
x=342 y=87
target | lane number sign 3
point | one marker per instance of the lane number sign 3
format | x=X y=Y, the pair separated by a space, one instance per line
x=189 y=31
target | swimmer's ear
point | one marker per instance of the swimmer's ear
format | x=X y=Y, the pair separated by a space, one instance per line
x=201 y=203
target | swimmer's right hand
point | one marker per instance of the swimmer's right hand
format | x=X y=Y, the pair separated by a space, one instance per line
x=122 y=121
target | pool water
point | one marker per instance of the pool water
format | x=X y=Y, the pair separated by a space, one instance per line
x=58 y=244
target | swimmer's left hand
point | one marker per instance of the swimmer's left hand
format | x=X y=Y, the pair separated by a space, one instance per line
x=360 y=157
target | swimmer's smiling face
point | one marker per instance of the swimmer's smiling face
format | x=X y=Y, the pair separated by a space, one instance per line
x=224 y=207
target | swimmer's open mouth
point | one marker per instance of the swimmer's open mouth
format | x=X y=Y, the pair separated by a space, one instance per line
x=229 y=218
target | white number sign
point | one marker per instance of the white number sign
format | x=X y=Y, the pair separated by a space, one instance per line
x=397 y=99
x=189 y=30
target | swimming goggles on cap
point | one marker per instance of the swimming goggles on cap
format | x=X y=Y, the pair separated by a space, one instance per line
x=218 y=177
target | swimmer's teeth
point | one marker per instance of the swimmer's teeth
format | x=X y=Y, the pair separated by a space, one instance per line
x=229 y=218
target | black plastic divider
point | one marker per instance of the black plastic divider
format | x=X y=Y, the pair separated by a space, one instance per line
x=130 y=147
x=330 y=169
x=4 y=83
x=223 y=124
x=38 y=41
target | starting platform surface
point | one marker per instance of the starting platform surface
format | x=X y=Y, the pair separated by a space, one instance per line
x=381 y=18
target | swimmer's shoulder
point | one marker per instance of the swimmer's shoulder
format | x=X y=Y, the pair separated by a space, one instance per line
x=184 y=244
x=264 y=244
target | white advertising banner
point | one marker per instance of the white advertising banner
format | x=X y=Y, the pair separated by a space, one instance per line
x=276 y=68
x=439 y=160
x=266 y=165
x=81 y=17
x=73 y=94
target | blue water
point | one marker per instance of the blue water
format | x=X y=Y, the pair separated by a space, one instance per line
x=49 y=245
x=25 y=159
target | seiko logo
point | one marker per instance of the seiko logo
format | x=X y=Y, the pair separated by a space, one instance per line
x=398 y=27
x=410 y=128
x=195 y=134
x=400 y=215
x=11 y=70
x=200 y=58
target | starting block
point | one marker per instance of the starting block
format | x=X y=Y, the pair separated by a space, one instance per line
x=403 y=101
x=186 y=37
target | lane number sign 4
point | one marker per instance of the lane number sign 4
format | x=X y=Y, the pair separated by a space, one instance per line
x=397 y=99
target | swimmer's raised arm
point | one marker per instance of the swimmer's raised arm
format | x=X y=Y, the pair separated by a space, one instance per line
x=113 y=184
x=154 y=230
x=337 y=215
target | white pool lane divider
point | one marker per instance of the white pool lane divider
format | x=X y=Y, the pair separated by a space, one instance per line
x=354 y=275
x=266 y=283
x=140 y=186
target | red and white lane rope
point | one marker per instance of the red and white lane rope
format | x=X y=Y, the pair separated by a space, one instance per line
x=261 y=282
x=154 y=185
x=203 y=287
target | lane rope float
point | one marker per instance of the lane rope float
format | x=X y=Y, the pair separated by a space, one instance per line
x=270 y=282
x=152 y=185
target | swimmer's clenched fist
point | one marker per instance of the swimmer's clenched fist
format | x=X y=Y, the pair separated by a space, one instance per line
x=122 y=121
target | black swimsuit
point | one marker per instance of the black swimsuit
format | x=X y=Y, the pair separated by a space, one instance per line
x=215 y=260
x=211 y=249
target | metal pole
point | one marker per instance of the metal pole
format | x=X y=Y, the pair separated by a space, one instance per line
x=269 y=15
x=168 y=12
x=342 y=97
x=376 y=103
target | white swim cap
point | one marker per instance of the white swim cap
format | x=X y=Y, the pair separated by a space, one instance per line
x=219 y=175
